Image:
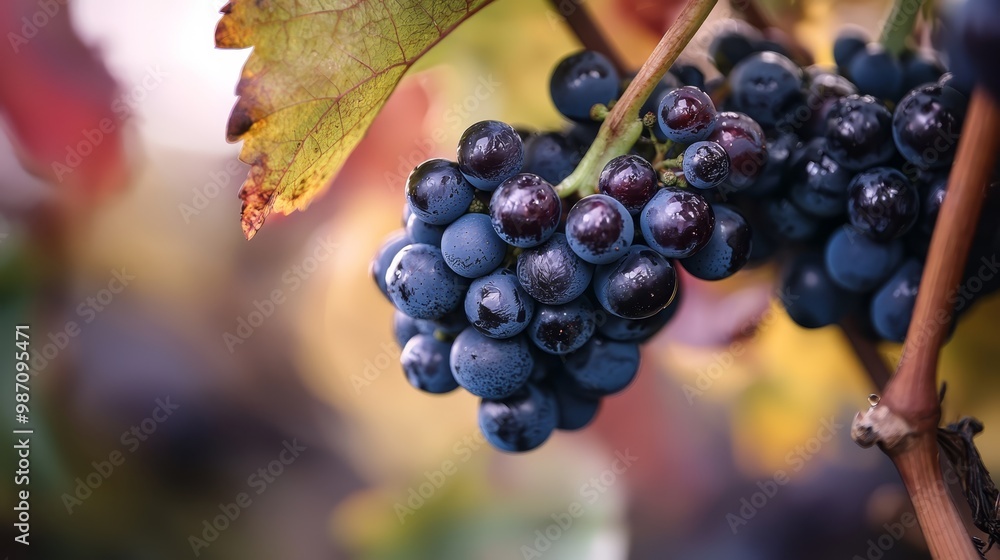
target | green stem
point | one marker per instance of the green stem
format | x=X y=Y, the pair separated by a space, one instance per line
x=623 y=126
x=899 y=25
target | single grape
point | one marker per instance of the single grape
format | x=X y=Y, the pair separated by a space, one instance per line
x=488 y=367
x=727 y=251
x=767 y=87
x=824 y=90
x=383 y=258
x=859 y=132
x=876 y=72
x=489 y=153
x=788 y=222
x=599 y=229
x=525 y=210
x=773 y=176
x=425 y=361
x=421 y=285
x=639 y=285
x=552 y=273
x=471 y=247
x=498 y=306
x=551 y=156
x=561 y=329
x=857 y=263
x=603 y=367
x=677 y=223
x=686 y=115
x=405 y=327
x=920 y=68
x=520 y=422
x=637 y=330
x=438 y=192
x=892 y=305
x=744 y=141
x=420 y=231
x=689 y=75
x=705 y=165
x=576 y=409
x=810 y=297
x=849 y=43
x=882 y=203
x=629 y=179
x=582 y=80
x=732 y=43
x=819 y=183
x=927 y=124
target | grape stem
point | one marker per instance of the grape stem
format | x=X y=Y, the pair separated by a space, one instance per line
x=904 y=423
x=579 y=21
x=899 y=25
x=622 y=127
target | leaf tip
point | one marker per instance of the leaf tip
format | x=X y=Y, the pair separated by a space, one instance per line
x=239 y=122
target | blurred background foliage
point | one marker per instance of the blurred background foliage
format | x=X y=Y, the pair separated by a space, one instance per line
x=321 y=368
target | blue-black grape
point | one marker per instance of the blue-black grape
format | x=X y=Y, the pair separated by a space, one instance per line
x=819 y=183
x=767 y=87
x=551 y=156
x=788 y=222
x=744 y=141
x=857 y=263
x=859 y=132
x=490 y=368
x=629 y=179
x=677 y=223
x=705 y=165
x=689 y=75
x=471 y=247
x=525 y=210
x=438 y=192
x=732 y=43
x=811 y=298
x=848 y=43
x=639 y=285
x=576 y=409
x=405 y=327
x=919 y=69
x=882 y=203
x=727 y=251
x=876 y=72
x=489 y=153
x=420 y=231
x=773 y=175
x=824 y=90
x=520 y=422
x=425 y=362
x=637 y=330
x=927 y=124
x=560 y=329
x=892 y=305
x=420 y=284
x=383 y=257
x=686 y=115
x=582 y=80
x=603 y=367
x=498 y=306
x=599 y=229
x=552 y=273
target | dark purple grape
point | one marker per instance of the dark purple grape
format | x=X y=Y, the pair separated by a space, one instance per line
x=677 y=223
x=819 y=183
x=582 y=80
x=421 y=285
x=705 y=165
x=686 y=115
x=927 y=124
x=892 y=305
x=920 y=68
x=489 y=153
x=576 y=409
x=859 y=132
x=767 y=87
x=383 y=257
x=882 y=203
x=425 y=362
x=788 y=222
x=744 y=141
x=551 y=156
x=639 y=285
x=849 y=42
x=603 y=367
x=773 y=176
x=876 y=72
x=520 y=422
x=599 y=229
x=637 y=330
x=857 y=263
x=498 y=306
x=689 y=75
x=727 y=251
x=488 y=367
x=525 y=210
x=731 y=43
x=630 y=180
x=552 y=273
x=561 y=329
x=822 y=94
x=438 y=192
x=811 y=298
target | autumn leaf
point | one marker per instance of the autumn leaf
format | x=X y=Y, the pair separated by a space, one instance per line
x=319 y=72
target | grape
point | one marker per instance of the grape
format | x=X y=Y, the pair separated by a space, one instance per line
x=405 y=327
x=525 y=210
x=849 y=43
x=705 y=165
x=772 y=177
x=576 y=409
x=603 y=367
x=811 y=298
x=882 y=203
x=488 y=367
x=920 y=69
x=425 y=363
x=552 y=273
x=859 y=132
x=677 y=223
x=857 y=263
x=420 y=284
x=819 y=183
x=498 y=306
x=637 y=330
x=438 y=192
x=744 y=141
x=599 y=229
x=520 y=422
x=876 y=72
x=823 y=92
x=471 y=247
x=652 y=103
x=630 y=180
x=788 y=222
x=689 y=75
x=489 y=153
x=560 y=329
x=767 y=87
x=686 y=115
x=383 y=257
x=581 y=81
x=736 y=41
x=420 y=231
x=551 y=156
x=977 y=30
x=727 y=250
x=637 y=286
x=892 y=305
x=926 y=125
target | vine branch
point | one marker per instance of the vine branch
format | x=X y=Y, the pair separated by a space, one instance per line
x=579 y=21
x=899 y=25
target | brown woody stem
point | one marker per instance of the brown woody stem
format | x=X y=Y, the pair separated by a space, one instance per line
x=578 y=19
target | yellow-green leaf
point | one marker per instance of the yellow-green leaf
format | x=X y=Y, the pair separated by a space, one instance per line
x=319 y=72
